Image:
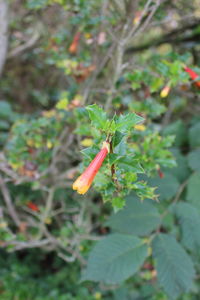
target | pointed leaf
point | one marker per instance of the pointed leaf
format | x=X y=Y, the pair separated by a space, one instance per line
x=126 y=122
x=189 y=219
x=97 y=116
x=193 y=190
x=129 y=164
x=194 y=160
x=139 y=218
x=115 y=258
x=174 y=266
x=167 y=186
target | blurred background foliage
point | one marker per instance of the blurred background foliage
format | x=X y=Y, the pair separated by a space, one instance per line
x=127 y=57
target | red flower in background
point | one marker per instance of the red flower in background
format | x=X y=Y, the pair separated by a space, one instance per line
x=193 y=76
x=32 y=206
x=160 y=173
x=74 y=45
x=84 y=181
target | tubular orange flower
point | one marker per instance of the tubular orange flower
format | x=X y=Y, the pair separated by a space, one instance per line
x=193 y=76
x=84 y=181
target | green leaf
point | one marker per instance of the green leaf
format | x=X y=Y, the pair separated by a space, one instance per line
x=121 y=148
x=181 y=171
x=129 y=164
x=194 y=160
x=193 y=190
x=118 y=203
x=189 y=219
x=179 y=130
x=117 y=138
x=139 y=218
x=115 y=258
x=113 y=158
x=32 y=4
x=126 y=122
x=4 y=125
x=90 y=152
x=194 y=135
x=174 y=266
x=167 y=186
x=5 y=109
x=97 y=116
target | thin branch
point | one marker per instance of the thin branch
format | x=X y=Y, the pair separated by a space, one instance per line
x=117 y=72
x=25 y=245
x=97 y=72
x=7 y=198
x=148 y=19
x=29 y=44
x=134 y=29
x=47 y=212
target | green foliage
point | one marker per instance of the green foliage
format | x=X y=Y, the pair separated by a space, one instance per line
x=179 y=130
x=32 y=140
x=194 y=137
x=115 y=258
x=193 y=160
x=97 y=116
x=119 y=177
x=174 y=266
x=126 y=122
x=167 y=186
x=181 y=171
x=139 y=218
x=73 y=79
x=193 y=190
x=189 y=220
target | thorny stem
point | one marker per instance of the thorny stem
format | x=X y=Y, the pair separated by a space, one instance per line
x=113 y=171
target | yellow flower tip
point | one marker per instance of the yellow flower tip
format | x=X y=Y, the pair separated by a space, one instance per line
x=165 y=91
x=80 y=186
x=83 y=190
x=140 y=127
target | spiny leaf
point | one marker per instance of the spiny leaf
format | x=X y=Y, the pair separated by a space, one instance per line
x=97 y=116
x=126 y=122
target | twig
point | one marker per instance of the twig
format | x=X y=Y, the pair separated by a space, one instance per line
x=66 y=257
x=148 y=19
x=17 y=51
x=8 y=201
x=97 y=72
x=117 y=72
x=47 y=210
x=134 y=29
x=24 y=245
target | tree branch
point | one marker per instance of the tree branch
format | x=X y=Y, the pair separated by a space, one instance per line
x=8 y=201
x=3 y=32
